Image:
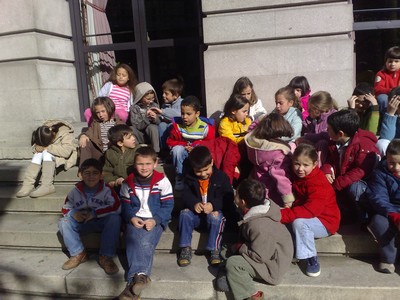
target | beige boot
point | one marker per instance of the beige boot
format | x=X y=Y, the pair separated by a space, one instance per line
x=28 y=185
x=46 y=187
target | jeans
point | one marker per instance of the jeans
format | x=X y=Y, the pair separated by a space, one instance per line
x=385 y=233
x=140 y=247
x=305 y=231
x=382 y=103
x=189 y=221
x=164 y=130
x=179 y=154
x=109 y=227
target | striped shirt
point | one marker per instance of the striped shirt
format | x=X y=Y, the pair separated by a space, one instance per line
x=104 y=127
x=195 y=133
x=120 y=95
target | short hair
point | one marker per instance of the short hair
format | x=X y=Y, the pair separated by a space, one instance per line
x=252 y=192
x=44 y=135
x=200 y=157
x=306 y=150
x=193 y=102
x=394 y=92
x=347 y=121
x=118 y=132
x=241 y=84
x=175 y=86
x=363 y=88
x=288 y=93
x=131 y=74
x=146 y=151
x=108 y=105
x=392 y=53
x=235 y=102
x=273 y=126
x=91 y=162
x=322 y=101
x=300 y=82
x=394 y=147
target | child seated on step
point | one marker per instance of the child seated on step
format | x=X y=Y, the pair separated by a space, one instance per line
x=53 y=145
x=207 y=191
x=147 y=203
x=91 y=206
x=314 y=213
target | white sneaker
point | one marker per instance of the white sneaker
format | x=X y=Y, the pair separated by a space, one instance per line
x=179 y=183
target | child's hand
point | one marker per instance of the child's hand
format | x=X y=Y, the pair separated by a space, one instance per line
x=89 y=216
x=371 y=98
x=137 y=222
x=149 y=224
x=288 y=205
x=198 y=207
x=119 y=181
x=80 y=216
x=352 y=101
x=207 y=208
x=330 y=178
x=151 y=114
x=188 y=148
x=83 y=141
x=393 y=105
x=156 y=110
x=39 y=149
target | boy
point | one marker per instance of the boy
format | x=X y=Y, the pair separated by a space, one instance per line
x=206 y=193
x=352 y=156
x=120 y=155
x=266 y=249
x=186 y=133
x=147 y=203
x=91 y=206
x=145 y=127
x=383 y=193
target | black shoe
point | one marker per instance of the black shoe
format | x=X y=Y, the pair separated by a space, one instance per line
x=185 y=257
x=215 y=258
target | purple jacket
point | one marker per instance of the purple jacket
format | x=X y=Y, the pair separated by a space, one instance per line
x=315 y=130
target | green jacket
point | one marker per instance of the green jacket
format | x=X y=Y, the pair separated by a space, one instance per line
x=118 y=164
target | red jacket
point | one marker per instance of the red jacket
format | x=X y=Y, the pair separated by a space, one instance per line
x=359 y=159
x=387 y=81
x=315 y=197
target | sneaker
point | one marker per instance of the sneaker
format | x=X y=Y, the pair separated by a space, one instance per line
x=75 y=261
x=258 y=296
x=313 y=268
x=126 y=294
x=140 y=282
x=179 y=183
x=185 y=257
x=386 y=268
x=108 y=264
x=215 y=258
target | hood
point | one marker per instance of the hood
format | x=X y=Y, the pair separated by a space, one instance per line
x=262 y=144
x=366 y=135
x=141 y=89
x=268 y=209
x=65 y=123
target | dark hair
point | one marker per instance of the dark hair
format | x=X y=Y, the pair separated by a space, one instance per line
x=117 y=133
x=235 y=102
x=392 y=53
x=363 y=88
x=300 y=82
x=288 y=93
x=394 y=92
x=91 y=162
x=175 y=86
x=193 y=102
x=347 y=121
x=131 y=74
x=273 y=126
x=306 y=150
x=394 y=147
x=44 y=135
x=322 y=101
x=200 y=157
x=146 y=151
x=241 y=84
x=108 y=105
x=252 y=192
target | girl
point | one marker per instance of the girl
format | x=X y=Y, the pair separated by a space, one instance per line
x=94 y=142
x=288 y=106
x=243 y=86
x=314 y=213
x=302 y=91
x=53 y=145
x=270 y=156
x=120 y=89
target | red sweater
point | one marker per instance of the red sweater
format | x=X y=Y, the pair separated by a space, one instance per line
x=315 y=197
x=385 y=81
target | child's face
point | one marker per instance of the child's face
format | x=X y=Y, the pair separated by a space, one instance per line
x=392 y=64
x=91 y=177
x=122 y=77
x=129 y=142
x=339 y=137
x=303 y=166
x=241 y=114
x=145 y=165
x=169 y=97
x=297 y=92
x=282 y=104
x=101 y=113
x=239 y=202
x=362 y=104
x=393 y=164
x=189 y=115
x=247 y=92
x=148 y=99
x=204 y=173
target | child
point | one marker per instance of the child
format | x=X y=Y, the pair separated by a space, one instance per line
x=91 y=206
x=366 y=106
x=145 y=127
x=383 y=193
x=265 y=251
x=243 y=86
x=94 y=142
x=270 y=156
x=207 y=191
x=387 y=78
x=147 y=203
x=187 y=132
x=120 y=156
x=53 y=145
x=314 y=213
x=120 y=89
x=302 y=91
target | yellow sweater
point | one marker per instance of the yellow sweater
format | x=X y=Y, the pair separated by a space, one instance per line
x=233 y=130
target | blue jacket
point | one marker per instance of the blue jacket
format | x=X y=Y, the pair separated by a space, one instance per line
x=390 y=128
x=171 y=110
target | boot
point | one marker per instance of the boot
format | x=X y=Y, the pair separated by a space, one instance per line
x=28 y=185
x=46 y=186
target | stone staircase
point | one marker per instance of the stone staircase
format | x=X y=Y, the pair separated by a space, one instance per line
x=32 y=254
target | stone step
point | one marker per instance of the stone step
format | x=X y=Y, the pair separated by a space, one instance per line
x=40 y=273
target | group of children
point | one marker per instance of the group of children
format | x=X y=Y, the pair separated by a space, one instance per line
x=298 y=171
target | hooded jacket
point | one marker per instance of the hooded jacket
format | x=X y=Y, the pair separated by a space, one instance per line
x=294 y=117
x=139 y=119
x=315 y=130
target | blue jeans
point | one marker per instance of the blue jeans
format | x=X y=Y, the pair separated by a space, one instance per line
x=140 y=247
x=164 y=130
x=179 y=154
x=305 y=231
x=382 y=103
x=109 y=227
x=385 y=233
x=189 y=221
